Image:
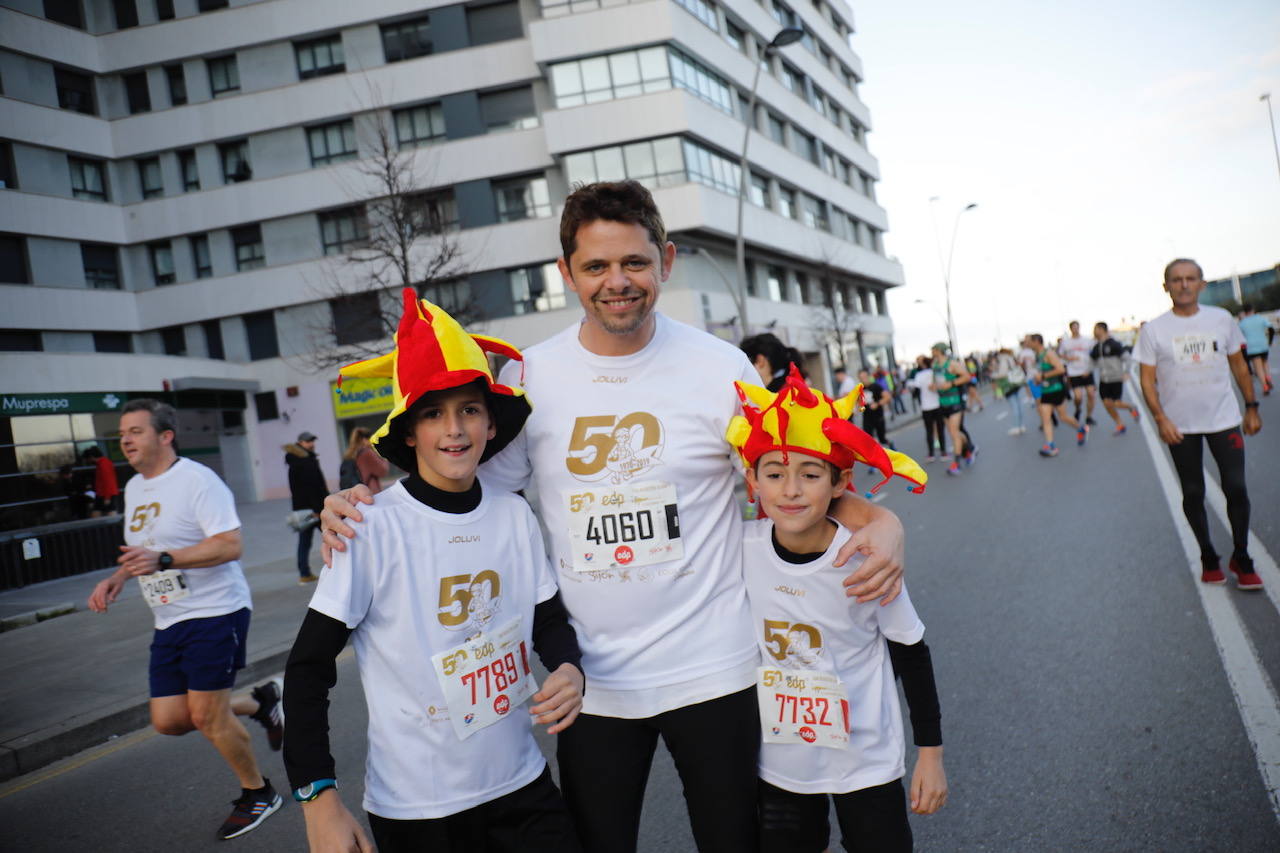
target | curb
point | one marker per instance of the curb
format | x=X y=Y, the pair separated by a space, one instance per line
x=22 y=620
x=42 y=748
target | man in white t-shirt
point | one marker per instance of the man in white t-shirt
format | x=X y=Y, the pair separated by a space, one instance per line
x=1074 y=350
x=182 y=543
x=626 y=449
x=1188 y=357
x=844 y=382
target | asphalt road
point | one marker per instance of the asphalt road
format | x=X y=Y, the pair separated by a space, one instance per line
x=1085 y=702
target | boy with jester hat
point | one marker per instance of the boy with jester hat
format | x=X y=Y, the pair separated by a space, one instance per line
x=829 y=710
x=446 y=596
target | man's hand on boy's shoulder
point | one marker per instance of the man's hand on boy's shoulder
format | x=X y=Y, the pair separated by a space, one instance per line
x=331 y=828
x=881 y=540
x=559 y=700
x=338 y=507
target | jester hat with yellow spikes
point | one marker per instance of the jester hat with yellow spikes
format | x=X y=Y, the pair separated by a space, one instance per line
x=433 y=353
x=800 y=419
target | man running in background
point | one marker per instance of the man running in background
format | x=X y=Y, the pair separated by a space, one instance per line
x=1074 y=350
x=1257 y=344
x=1112 y=360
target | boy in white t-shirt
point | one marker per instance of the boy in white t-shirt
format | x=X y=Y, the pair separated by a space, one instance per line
x=447 y=596
x=828 y=706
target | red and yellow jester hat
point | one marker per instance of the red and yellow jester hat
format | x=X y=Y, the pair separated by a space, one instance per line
x=800 y=419
x=433 y=353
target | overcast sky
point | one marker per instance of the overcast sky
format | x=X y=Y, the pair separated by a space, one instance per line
x=1099 y=140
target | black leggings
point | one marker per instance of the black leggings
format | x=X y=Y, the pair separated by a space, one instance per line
x=873 y=424
x=1227 y=448
x=935 y=424
x=604 y=767
x=872 y=820
x=532 y=818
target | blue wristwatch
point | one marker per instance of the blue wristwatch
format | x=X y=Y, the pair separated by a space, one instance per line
x=310 y=791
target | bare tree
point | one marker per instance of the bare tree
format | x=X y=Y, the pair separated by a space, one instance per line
x=398 y=233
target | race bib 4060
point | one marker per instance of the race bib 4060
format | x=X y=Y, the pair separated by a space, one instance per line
x=633 y=524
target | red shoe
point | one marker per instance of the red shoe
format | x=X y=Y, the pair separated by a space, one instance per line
x=1246 y=577
x=1120 y=430
x=1136 y=417
x=1211 y=571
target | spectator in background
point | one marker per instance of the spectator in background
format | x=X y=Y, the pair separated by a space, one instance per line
x=877 y=399
x=107 y=499
x=1257 y=344
x=76 y=490
x=1009 y=381
x=930 y=409
x=771 y=359
x=844 y=383
x=361 y=463
x=308 y=490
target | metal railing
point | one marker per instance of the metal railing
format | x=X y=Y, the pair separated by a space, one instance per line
x=60 y=550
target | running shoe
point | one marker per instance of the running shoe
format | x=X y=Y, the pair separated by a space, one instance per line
x=1120 y=430
x=306 y=579
x=250 y=810
x=1015 y=431
x=1136 y=416
x=971 y=456
x=1211 y=571
x=931 y=458
x=270 y=713
x=946 y=457
x=1082 y=435
x=1246 y=577
x=1088 y=421
x=1049 y=450
x=954 y=470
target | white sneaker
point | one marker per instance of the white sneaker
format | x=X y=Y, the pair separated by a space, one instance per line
x=1015 y=431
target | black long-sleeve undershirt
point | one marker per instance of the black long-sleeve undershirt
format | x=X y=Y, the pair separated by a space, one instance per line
x=312 y=671
x=911 y=663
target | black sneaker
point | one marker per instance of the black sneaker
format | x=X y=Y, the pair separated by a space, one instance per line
x=1090 y=422
x=250 y=810
x=270 y=715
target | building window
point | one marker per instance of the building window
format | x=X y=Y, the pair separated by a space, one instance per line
x=818 y=101
x=357 y=317
x=804 y=144
x=249 y=251
x=20 y=340
x=188 y=169
x=714 y=170
x=406 y=39
x=64 y=12
x=112 y=342
x=174 y=340
x=603 y=78
x=702 y=10
x=775 y=280
x=419 y=125
x=868 y=186
x=332 y=143
x=319 y=57
x=235 y=161
x=759 y=191
x=654 y=163
x=164 y=10
x=101 y=266
x=509 y=109
x=787 y=202
x=213 y=339
x=137 y=93
x=792 y=79
x=495 y=22
x=777 y=129
x=13 y=259
x=88 y=180
x=266 y=406
x=784 y=16
x=882 y=304
x=75 y=91
x=433 y=213
x=161 y=262
x=260 y=328
x=736 y=36
x=453 y=296
x=522 y=198
x=343 y=230
x=802 y=289
x=224 y=75
x=536 y=289
x=177 y=78
x=126 y=13
x=8 y=173
x=210 y=5
x=149 y=177
x=200 y=255
x=813 y=212
x=692 y=76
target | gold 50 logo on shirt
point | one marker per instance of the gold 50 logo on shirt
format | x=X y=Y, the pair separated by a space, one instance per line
x=630 y=522
x=469 y=602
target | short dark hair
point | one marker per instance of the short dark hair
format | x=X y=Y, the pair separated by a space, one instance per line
x=1173 y=263
x=163 y=416
x=1037 y=337
x=614 y=201
x=778 y=354
x=1101 y=325
x=1247 y=308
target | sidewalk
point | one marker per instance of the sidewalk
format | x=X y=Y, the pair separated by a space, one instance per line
x=75 y=681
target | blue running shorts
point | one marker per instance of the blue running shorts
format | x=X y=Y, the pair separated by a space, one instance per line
x=199 y=654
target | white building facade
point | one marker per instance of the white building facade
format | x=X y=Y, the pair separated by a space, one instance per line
x=178 y=174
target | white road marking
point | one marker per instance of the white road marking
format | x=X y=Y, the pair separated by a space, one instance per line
x=1254 y=693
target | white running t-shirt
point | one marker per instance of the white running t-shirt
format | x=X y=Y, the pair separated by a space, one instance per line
x=417 y=582
x=1193 y=377
x=928 y=397
x=1075 y=352
x=841 y=636
x=182 y=507
x=673 y=631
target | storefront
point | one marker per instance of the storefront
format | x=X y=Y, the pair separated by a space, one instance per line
x=361 y=403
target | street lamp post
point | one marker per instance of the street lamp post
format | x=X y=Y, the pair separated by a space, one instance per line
x=946 y=270
x=785 y=36
x=1271 y=122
